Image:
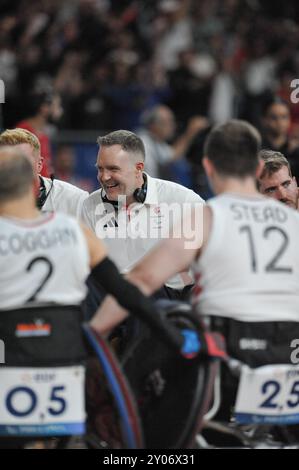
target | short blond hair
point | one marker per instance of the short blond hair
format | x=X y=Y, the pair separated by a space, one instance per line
x=19 y=136
x=274 y=161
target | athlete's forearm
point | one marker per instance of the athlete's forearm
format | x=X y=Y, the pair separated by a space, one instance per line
x=132 y=299
x=108 y=316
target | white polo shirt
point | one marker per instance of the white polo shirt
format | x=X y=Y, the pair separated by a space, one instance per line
x=64 y=197
x=132 y=232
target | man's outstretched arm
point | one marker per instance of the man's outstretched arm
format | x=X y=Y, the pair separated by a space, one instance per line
x=168 y=258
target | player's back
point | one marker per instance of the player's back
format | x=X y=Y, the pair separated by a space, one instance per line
x=44 y=260
x=249 y=269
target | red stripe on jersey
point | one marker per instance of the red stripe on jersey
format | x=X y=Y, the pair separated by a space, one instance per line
x=197 y=289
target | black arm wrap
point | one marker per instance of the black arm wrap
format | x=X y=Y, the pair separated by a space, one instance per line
x=130 y=297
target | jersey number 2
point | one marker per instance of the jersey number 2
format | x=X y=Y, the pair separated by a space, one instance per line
x=49 y=265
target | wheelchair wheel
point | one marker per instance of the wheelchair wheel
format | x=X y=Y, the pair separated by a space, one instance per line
x=113 y=420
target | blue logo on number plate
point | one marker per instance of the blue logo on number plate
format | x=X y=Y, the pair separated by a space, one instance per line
x=247 y=418
x=70 y=429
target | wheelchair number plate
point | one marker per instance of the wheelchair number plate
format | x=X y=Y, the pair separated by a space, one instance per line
x=42 y=401
x=268 y=394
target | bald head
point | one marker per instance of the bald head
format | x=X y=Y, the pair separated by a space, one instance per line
x=16 y=174
x=160 y=121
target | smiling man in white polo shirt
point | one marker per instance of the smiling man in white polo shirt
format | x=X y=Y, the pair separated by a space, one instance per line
x=132 y=211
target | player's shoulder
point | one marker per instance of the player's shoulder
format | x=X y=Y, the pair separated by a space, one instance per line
x=68 y=187
x=93 y=198
x=280 y=205
x=293 y=213
x=175 y=191
x=62 y=218
x=286 y=215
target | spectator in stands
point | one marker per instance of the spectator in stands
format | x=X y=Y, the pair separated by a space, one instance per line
x=190 y=84
x=276 y=126
x=44 y=108
x=159 y=127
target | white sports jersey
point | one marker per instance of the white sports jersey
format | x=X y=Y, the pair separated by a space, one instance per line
x=249 y=269
x=64 y=197
x=44 y=260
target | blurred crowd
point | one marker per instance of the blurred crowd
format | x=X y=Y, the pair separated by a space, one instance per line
x=112 y=60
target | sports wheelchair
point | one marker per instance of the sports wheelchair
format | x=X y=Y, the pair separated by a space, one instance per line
x=256 y=389
x=58 y=383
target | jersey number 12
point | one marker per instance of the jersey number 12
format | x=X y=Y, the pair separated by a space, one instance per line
x=273 y=264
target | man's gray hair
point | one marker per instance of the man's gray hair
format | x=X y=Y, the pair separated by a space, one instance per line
x=128 y=141
x=16 y=174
